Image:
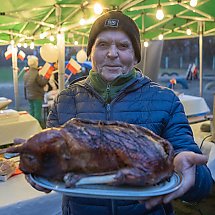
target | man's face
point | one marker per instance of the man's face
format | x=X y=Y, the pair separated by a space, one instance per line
x=112 y=54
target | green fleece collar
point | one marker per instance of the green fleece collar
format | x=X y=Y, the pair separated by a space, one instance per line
x=108 y=90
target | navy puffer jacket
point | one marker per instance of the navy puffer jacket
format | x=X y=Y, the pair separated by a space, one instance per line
x=140 y=102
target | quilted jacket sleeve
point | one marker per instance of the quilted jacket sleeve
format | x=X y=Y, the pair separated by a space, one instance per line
x=178 y=130
x=63 y=108
x=179 y=133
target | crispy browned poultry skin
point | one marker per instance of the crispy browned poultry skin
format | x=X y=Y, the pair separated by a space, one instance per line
x=84 y=147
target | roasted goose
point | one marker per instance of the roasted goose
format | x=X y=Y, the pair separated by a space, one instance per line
x=81 y=148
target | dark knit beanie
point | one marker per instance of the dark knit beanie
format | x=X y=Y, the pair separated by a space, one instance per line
x=116 y=20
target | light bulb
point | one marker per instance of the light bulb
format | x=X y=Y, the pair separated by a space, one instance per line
x=19 y=45
x=76 y=43
x=51 y=38
x=32 y=45
x=42 y=36
x=25 y=45
x=146 y=44
x=188 y=31
x=98 y=9
x=82 y=21
x=160 y=37
x=159 y=13
x=193 y=3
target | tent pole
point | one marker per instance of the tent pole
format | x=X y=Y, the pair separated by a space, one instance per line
x=61 y=49
x=61 y=60
x=144 y=59
x=200 y=58
x=15 y=76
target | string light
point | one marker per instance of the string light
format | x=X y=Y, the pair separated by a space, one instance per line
x=25 y=45
x=32 y=45
x=98 y=9
x=51 y=38
x=146 y=44
x=188 y=31
x=76 y=43
x=82 y=21
x=159 y=13
x=193 y=3
x=19 y=45
x=43 y=35
x=160 y=37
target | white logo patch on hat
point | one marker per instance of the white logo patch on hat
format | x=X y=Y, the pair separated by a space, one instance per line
x=112 y=23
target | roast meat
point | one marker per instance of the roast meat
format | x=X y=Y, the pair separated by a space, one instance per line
x=81 y=148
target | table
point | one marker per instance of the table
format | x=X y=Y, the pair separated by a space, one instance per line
x=24 y=127
x=18 y=197
x=194 y=105
x=208 y=147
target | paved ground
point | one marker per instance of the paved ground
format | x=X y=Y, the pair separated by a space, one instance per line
x=205 y=207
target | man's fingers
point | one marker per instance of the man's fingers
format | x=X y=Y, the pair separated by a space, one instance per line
x=188 y=180
x=191 y=158
x=185 y=163
x=199 y=159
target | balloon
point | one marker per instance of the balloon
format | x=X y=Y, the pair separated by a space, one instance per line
x=81 y=56
x=49 y=53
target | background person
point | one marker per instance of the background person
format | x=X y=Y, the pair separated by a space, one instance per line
x=115 y=90
x=51 y=89
x=34 y=88
x=53 y=80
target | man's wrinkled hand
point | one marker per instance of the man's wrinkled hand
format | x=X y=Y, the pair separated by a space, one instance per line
x=185 y=164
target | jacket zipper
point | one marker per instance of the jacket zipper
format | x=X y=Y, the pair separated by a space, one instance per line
x=108 y=105
x=108 y=92
x=108 y=109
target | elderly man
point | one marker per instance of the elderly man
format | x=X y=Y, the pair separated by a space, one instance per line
x=115 y=90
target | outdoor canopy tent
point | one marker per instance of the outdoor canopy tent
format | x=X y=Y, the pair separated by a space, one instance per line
x=24 y=21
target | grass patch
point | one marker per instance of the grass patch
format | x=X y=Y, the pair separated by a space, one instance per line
x=6 y=74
